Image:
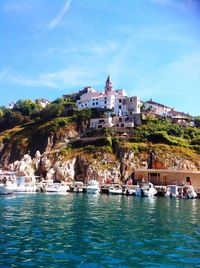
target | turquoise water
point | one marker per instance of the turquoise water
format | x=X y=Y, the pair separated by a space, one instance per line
x=79 y=230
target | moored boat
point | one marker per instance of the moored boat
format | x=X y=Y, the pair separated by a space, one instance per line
x=186 y=191
x=145 y=189
x=129 y=191
x=25 y=184
x=115 y=189
x=189 y=192
x=7 y=182
x=174 y=191
x=78 y=187
x=56 y=187
x=93 y=187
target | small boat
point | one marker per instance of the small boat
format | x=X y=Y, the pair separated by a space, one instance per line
x=7 y=183
x=93 y=187
x=129 y=191
x=115 y=189
x=25 y=184
x=6 y=188
x=189 y=192
x=145 y=189
x=186 y=191
x=174 y=191
x=78 y=187
x=56 y=187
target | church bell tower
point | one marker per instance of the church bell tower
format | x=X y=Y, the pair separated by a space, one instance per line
x=108 y=86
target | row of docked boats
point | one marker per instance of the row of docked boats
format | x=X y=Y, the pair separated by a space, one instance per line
x=10 y=183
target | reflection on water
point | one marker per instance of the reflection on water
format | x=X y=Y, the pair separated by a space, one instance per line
x=98 y=231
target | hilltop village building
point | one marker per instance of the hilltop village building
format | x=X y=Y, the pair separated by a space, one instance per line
x=152 y=108
x=125 y=110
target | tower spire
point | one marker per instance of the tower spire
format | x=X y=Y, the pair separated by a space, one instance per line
x=108 y=85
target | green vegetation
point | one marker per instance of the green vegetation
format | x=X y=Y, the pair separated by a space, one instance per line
x=160 y=130
x=28 y=126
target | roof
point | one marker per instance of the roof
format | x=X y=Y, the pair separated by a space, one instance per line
x=167 y=170
x=156 y=103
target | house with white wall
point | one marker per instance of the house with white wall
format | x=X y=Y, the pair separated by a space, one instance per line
x=156 y=108
x=115 y=100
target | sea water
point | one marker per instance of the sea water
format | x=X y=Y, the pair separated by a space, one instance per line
x=80 y=230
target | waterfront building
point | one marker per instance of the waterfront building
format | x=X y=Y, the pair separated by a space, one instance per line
x=168 y=176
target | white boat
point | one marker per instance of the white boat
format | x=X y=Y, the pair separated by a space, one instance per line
x=25 y=184
x=145 y=189
x=78 y=187
x=174 y=191
x=7 y=182
x=177 y=191
x=56 y=187
x=129 y=191
x=115 y=189
x=189 y=192
x=93 y=187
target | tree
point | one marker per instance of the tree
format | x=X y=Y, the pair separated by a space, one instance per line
x=53 y=110
x=197 y=121
x=82 y=117
x=26 y=107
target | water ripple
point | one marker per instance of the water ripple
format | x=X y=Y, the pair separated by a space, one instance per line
x=98 y=231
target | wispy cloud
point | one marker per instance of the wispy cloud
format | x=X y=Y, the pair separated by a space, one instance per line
x=177 y=79
x=56 y=21
x=66 y=78
x=20 y=6
x=184 y=5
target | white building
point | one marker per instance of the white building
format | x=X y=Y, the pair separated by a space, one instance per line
x=156 y=108
x=115 y=100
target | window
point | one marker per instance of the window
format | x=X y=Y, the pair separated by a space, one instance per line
x=120 y=100
x=122 y=125
x=120 y=106
x=105 y=101
x=131 y=100
x=93 y=103
x=187 y=179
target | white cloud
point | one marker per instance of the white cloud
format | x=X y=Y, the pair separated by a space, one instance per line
x=56 y=21
x=71 y=77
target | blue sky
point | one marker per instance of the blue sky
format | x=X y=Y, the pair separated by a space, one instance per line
x=151 y=48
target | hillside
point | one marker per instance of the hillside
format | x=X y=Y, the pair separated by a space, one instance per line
x=56 y=142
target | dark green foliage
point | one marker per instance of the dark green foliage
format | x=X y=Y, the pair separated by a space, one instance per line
x=26 y=107
x=52 y=110
x=197 y=121
x=99 y=112
x=11 y=119
x=97 y=143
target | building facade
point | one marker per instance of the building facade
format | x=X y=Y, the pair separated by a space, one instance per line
x=114 y=100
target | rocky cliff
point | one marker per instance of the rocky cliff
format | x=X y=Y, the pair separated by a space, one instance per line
x=63 y=155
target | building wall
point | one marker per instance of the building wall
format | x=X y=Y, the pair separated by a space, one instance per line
x=166 y=177
x=159 y=109
x=133 y=105
x=110 y=99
